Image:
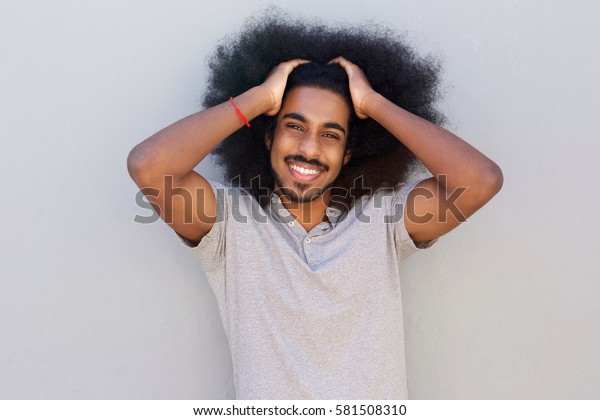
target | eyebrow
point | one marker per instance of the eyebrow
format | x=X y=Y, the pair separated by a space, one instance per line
x=302 y=118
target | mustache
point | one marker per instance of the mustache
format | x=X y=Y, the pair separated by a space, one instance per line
x=300 y=158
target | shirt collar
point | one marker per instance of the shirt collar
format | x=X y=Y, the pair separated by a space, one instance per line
x=280 y=213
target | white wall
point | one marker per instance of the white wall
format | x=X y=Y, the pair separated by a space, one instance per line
x=93 y=305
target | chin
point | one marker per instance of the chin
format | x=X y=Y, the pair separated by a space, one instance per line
x=300 y=193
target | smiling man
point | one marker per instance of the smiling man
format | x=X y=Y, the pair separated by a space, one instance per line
x=303 y=256
x=317 y=126
x=310 y=150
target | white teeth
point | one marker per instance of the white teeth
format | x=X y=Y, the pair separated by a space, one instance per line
x=304 y=171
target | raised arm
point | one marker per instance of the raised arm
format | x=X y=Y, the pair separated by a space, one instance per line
x=163 y=165
x=464 y=179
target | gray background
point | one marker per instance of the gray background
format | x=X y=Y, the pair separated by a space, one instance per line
x=93 y=305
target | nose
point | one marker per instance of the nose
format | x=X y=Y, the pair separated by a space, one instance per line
x=310 y=146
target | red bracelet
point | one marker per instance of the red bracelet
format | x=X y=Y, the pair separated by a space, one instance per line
x=240 y=114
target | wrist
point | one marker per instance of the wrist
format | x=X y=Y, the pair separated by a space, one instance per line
x=266 y=98
x=255 y=101
x=368 y=102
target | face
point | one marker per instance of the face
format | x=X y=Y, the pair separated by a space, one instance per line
x=308 y=149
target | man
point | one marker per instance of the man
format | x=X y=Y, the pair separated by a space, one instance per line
x=307 y=280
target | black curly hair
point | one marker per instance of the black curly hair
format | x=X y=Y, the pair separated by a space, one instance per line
x=393 y=68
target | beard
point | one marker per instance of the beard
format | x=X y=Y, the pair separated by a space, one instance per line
x=300 y=193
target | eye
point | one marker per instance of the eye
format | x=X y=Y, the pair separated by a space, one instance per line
x=331 y=136
x=294 y=126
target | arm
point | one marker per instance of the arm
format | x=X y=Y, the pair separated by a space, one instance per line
x=463 y=178
x=165 y=161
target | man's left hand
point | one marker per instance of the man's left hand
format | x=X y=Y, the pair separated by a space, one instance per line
x=360 y=87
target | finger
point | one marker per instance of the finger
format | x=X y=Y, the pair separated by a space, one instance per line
x=347 y=65
x=336 y=60
x=296 y=62
x=341 y=61
x=287 y=66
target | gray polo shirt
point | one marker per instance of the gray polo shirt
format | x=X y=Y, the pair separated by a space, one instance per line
x=311 y=315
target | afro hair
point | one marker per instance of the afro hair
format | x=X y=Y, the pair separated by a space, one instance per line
x=394 y=69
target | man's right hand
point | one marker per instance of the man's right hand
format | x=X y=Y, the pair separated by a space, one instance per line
x=276 y=82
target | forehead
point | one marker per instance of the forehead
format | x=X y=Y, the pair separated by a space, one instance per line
x=317 y=105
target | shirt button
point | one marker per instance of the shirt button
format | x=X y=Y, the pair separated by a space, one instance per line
x=273 y=199
x=291 y=224
x=307 y=240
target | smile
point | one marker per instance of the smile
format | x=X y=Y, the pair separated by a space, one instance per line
x=304 y=172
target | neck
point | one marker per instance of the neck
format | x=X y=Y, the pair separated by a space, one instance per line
x=308 y=214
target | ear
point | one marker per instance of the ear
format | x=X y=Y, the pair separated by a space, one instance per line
x=268 y=140
x=347 y=156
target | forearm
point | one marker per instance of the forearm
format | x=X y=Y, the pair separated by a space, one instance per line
x=178 y=148
x=442 y=152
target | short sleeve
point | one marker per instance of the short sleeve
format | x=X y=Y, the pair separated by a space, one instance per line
x=211 y=249
x=405 y=246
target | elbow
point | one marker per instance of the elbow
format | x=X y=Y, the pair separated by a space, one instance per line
x=490 y=183
x=496 y=179
x=137 y=165
x=133 y=163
